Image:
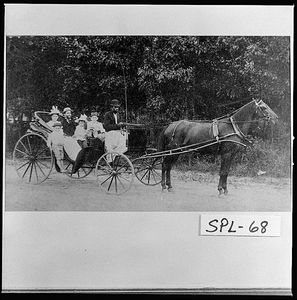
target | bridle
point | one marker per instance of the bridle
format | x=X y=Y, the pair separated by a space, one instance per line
x=265 y=116
x=259 y=106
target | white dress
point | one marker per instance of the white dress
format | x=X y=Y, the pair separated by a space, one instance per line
x=115 y=141
x=71 y=147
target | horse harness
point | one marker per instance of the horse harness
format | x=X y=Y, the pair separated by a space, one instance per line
x=173 y=132
x=237 y=130
x=215 y=131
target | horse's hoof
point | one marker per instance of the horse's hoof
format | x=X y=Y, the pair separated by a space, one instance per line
x=226 y=192
x=221 y=193
x=170 y=189
x=164 y=190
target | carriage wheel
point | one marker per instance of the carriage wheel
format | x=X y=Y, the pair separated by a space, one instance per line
x=82 y=172
x=32 y=159
x=148 y=170
x=114 y=172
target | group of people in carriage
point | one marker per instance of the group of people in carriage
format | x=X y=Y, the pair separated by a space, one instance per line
x=76 y=137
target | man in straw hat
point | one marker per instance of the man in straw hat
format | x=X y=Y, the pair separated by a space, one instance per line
x=68 y=122
x=71 y=146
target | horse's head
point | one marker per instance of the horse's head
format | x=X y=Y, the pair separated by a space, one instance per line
x=265 y=112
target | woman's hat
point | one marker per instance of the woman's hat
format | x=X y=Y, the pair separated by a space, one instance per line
x=115 y=102
x=55 y=111
x=94 y=113
x=82 y=118
x=57 y=124
x=66 y=109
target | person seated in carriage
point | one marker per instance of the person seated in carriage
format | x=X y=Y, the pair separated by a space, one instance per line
x=55 y=114
x=76 y=145
x=68 y=122
x=55 y=142
x=95 y=129
x=71 y=146
x=80 y=133
x=115 y=138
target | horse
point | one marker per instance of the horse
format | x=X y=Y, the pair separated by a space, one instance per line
x=227 y=135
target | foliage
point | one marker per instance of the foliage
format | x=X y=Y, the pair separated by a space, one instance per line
x=178 y=76
x=32 y=81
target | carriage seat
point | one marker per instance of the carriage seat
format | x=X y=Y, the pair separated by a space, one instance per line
x=43 y=117
x=39 y=125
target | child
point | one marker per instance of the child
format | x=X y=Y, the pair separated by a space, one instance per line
x=80 y=134
x=95 y=128
x=55 y=142
x=55 y=113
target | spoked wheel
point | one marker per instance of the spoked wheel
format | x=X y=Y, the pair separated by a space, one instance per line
x=148 y=170
x=114 y=172
x=33 y=160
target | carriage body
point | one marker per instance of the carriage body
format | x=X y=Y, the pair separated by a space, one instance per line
x=34 y=161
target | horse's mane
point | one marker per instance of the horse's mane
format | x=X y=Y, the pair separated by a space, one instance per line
x=222 y=117
x=200 y=121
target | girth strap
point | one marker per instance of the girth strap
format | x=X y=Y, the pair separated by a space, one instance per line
x=238 y=132
x=174 y=129
x=215 y=129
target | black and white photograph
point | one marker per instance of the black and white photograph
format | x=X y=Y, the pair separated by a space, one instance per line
x=148 y=157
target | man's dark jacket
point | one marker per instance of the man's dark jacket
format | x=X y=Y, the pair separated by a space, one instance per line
x=109 y=121
x=68 y=127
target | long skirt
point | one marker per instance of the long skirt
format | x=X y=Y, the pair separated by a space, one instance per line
x=71 y=147
x=115 y=141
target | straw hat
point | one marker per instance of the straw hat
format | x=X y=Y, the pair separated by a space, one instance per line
x=94 y=113
x=66 y=109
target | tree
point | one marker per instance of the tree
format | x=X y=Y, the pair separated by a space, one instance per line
x=167 y=77
x=32 y=80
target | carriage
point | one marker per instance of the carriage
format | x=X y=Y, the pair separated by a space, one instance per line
x=34 y=161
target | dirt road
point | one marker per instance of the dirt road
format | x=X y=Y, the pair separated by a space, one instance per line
x=193 y=192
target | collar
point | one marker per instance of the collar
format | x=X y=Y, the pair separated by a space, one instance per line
x=238 y=132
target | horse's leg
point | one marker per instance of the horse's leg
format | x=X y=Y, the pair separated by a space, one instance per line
x=172 y=160
x=168 y=178
x=164 y=172
x=226 y=159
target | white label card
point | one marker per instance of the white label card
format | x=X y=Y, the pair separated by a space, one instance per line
x=240 y=225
